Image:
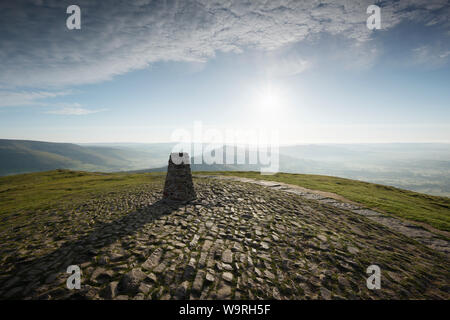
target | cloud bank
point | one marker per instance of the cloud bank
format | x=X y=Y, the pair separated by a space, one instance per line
x=38 y=51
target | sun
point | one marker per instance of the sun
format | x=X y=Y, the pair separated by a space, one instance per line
x=269 y=103
x=270 y=99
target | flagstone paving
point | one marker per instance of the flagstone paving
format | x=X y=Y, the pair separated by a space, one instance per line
x=238 y=240
x=408 y=228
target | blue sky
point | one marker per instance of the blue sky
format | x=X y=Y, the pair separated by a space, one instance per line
x=312 y=71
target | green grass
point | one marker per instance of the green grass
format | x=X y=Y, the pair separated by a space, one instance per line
x=44 y=190
x=432 y=210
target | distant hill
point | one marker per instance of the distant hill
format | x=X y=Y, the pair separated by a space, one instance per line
x=421 y=167
x=22 y=156
x=286 y=164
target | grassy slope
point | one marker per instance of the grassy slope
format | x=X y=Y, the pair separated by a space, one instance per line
x=28 y=192
x=42 y=190
x=20 y=156
x=432 y=210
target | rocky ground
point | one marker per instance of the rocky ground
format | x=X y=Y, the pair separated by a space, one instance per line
x=236 y=241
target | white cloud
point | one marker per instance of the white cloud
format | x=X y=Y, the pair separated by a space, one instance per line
x=75 y=111
x=288 y=66
x=444 y=54
x=39 y=99
x=27 y=98
x=117 y=36
x=429 y=56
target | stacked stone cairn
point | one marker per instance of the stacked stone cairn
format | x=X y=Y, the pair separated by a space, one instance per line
x=179 y=185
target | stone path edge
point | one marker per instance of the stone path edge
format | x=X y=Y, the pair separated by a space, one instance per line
x=404 y=227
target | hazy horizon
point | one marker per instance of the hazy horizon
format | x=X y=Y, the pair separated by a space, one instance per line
x=282 y=144
x=421 y=167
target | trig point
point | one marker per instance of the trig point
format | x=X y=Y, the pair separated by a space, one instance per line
x=179 y=186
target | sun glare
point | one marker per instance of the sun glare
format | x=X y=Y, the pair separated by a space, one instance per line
x=269 y=102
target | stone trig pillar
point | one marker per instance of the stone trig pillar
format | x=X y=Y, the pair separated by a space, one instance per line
x=179 y=186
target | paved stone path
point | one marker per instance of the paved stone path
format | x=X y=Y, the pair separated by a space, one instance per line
x=404 y=227
x=236 y=241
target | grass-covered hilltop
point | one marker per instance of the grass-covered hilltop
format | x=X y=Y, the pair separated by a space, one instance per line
x=246 y=236
x=422 y=168
x=41 y=190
